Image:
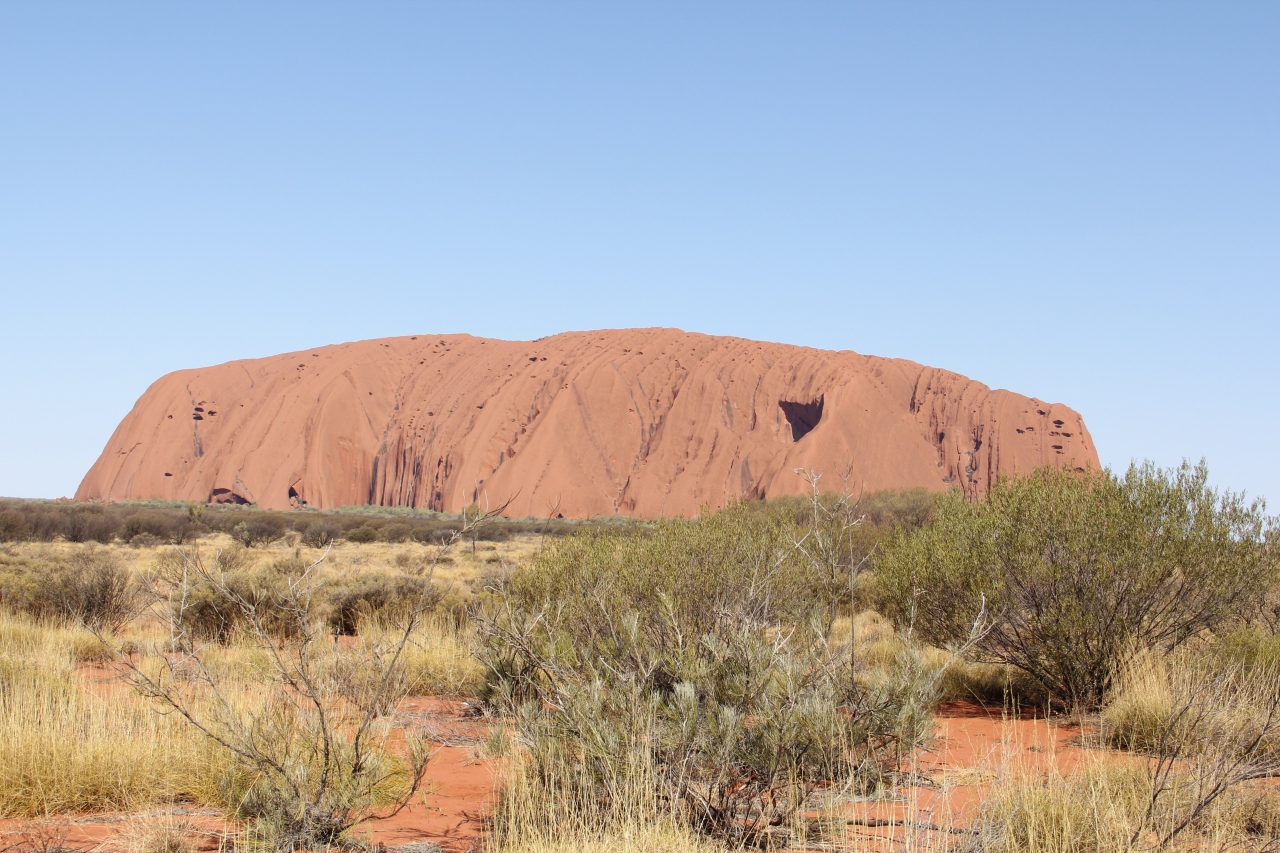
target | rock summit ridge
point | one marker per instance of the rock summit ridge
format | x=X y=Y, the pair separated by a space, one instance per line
x=637 y=422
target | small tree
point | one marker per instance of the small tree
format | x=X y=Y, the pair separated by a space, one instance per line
x=321 y=534
x=1081 y=568
x=836 y=543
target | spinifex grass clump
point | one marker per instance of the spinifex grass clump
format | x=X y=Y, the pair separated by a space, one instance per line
x=67 y=746
x=690 y=674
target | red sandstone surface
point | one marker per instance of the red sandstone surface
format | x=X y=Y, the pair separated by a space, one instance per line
x=638 y=422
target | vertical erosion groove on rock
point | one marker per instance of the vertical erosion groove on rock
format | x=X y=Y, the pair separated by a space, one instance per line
x=642 y=422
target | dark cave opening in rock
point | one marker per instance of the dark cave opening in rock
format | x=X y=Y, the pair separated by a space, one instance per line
x=803 y=417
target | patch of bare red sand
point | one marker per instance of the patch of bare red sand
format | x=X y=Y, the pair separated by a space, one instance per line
x=973 y=747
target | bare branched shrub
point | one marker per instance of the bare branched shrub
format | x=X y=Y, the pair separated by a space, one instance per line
x=319 y=761
x=321 y=534
x=14 y=527
x=1081 y=568
x=204 y=591
x=835 y=543
x=310 y=727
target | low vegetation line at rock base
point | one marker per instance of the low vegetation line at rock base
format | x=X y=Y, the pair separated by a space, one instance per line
x=149 y=523
x=765 y=676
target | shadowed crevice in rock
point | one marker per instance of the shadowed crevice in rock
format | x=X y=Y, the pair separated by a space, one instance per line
x=803 y=417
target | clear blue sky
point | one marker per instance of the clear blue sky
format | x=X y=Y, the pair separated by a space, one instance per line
x=1079 y=202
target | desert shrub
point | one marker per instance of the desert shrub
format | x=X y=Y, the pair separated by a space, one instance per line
x=257 y=532
x=321 y=534
x=350 y=523
x=910 y=509
x=213 y=611
x=352 y=600
x=433 y=534
x=992 y=684
x=699 y=567
x=46 y=524
x=89 y=524
x=1249 y=647
x=91 y=585
x=1136 y=716
x=1081 y=568
x=362 y=535
x=160 y=527
x=685 y=668
x=206 y=592
x=13 y=526
x=887 y=510
x=396 y=532
x=438 y=659
x=1208 y=728
x=288 y=566
x=364 y=675
x=1097 y=809
x=67 y=749
x=160 y=835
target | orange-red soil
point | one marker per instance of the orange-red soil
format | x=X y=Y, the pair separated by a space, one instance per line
x=972 y=747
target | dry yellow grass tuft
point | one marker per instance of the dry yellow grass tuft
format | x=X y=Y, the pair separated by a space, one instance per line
x=68 y=746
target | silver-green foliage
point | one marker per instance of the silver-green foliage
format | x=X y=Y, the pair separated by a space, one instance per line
x=697 y=657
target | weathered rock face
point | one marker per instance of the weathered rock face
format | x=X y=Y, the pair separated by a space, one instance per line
x=640 y=422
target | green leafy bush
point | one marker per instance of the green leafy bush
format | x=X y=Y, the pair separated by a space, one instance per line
x=1080 y=569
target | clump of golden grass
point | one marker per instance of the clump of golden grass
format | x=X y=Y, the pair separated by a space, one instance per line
x=1142 y=703
x=544 y=809
x=1103 y=807
x=438 y=659
x=161 y=834
x=1097 y=808
x=71 y=747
